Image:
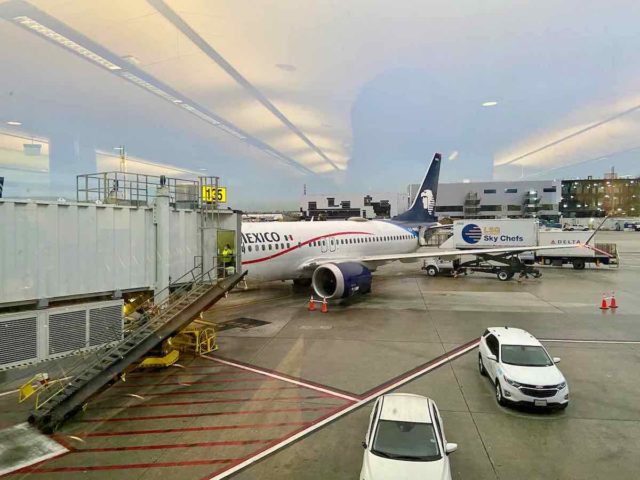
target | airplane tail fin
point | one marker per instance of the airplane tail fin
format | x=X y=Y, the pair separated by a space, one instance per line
x=423 y=208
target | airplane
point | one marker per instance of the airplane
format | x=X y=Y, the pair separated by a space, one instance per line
x=337 y=258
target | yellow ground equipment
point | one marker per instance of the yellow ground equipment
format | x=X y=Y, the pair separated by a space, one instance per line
x=34 y=385
x=160 y=362
x=197 y=340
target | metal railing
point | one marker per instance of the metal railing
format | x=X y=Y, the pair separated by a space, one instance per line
x=154 y=315
x=136 y=189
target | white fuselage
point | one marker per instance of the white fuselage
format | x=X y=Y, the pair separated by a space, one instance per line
x=278 y=250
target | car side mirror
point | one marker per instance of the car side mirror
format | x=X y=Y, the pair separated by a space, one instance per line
x=556 y=359
x=450 y=448
x=491 y=356
x=364 y=445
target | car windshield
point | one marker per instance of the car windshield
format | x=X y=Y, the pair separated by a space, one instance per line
x=406 y=441
x=525 y=356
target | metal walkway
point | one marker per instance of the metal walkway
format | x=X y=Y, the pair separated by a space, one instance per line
x=191 y=294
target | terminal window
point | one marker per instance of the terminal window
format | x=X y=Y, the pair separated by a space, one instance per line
x=331 y=202
x=510 y=190
x=549 y=189
x=491 y=208
x=489 y=190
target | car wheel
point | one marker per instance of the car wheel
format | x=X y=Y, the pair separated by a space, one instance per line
x=499 y=396
x=481 y=368
x=432 y=271
x=503 y=275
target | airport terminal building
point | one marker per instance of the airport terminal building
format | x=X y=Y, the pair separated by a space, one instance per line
x=454 y=200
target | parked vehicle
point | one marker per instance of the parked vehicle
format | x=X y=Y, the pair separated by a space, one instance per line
x=521 y=369
x=405 y=440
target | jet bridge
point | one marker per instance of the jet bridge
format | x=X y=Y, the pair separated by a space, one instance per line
x=69 y=266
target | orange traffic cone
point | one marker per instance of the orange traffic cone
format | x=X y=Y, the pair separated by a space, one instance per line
x=613 y=303
x=324 y=308
x=312 y=304
x=603 y=304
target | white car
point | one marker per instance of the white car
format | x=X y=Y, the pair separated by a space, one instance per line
x=521 y=369
x=406 y=440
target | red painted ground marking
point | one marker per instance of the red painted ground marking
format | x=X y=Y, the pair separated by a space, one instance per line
x=203 y=414
x=174 y=445
x=129 y=466
x=205 y=402
x=228 y=371
x=342 y=411
x=35 y=465
x=189 y=429
x=232 y=390
x=287 y=378
x=274 y=443
x=417 y=369
x=196 y=382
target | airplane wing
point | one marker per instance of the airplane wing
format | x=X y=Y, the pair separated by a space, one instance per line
x=454 y=253
x=412 y=257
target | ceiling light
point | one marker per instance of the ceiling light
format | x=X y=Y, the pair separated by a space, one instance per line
x=286 y=67
x=489 y=104
x=148 y=86
x=65 y=42
x=14 y=123
x=131 y=59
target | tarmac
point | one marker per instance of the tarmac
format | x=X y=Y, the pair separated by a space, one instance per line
x=288 y=393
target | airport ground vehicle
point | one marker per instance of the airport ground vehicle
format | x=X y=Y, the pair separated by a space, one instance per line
x=484 y=233
x=505 y=267
x=521 y=369
x=405 y=440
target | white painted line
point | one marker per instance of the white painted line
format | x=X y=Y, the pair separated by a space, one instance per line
x=9 y=393
x=285 y=379
x=615 y=342
x=347 y=409
x=28 y=439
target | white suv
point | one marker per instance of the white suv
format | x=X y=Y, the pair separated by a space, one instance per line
x=405 y=440
x=521 y=369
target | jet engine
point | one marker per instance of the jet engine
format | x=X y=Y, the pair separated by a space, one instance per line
x=341 y=280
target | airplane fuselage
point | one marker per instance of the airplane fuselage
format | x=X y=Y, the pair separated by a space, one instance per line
x=278 y=250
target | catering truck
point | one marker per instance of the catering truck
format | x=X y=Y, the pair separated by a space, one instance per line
x=497 y=233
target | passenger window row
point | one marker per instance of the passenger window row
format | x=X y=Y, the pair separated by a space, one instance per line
x=265 y=247
x=342 y=241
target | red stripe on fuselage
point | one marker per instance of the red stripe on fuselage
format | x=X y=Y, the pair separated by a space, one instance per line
x=282 y=252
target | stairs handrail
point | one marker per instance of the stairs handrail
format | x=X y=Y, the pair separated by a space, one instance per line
x=103 y=352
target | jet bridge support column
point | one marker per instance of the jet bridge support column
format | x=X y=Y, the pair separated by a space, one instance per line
x=163 y=258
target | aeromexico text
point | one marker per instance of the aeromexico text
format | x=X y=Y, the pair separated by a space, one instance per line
x=265 y=237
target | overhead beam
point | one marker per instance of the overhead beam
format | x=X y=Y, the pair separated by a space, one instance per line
x=176 y=20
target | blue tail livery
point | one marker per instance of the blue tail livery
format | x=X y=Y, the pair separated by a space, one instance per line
x=422 y=210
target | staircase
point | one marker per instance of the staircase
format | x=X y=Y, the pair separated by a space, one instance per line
x=193 y=293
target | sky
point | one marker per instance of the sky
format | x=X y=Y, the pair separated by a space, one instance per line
x=351 y=96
